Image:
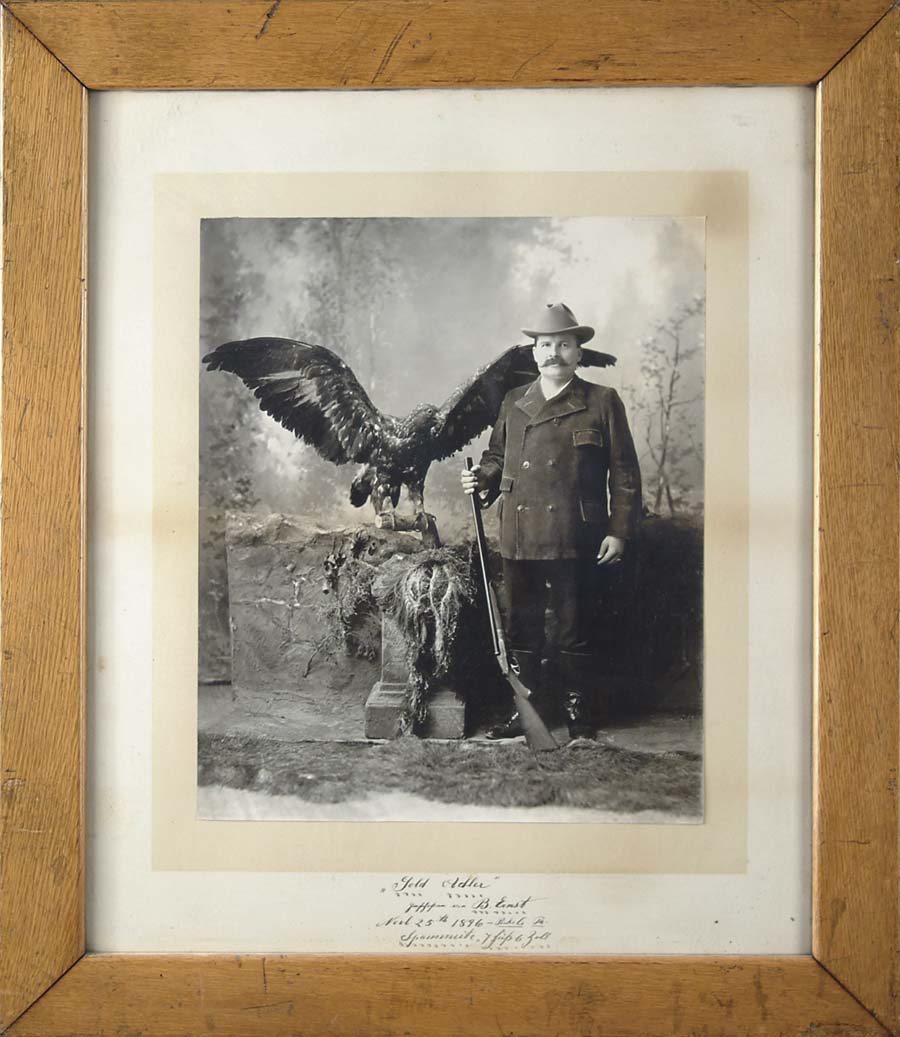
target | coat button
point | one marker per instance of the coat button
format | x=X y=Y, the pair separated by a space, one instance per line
x=549 y=507
x=526 y=464
x=520 y=507
x=552 y=461
x=556 y=421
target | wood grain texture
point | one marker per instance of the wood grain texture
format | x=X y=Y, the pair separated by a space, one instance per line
x=856 y=921
x=161 y=43
x=434 y=996
x=41 y=523
x=261 y=44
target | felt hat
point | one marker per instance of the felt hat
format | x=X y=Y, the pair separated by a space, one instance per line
x=558 y=318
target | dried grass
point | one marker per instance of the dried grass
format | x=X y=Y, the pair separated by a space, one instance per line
x=588 y=775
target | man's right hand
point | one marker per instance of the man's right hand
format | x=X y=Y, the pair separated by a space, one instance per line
x=473 y=480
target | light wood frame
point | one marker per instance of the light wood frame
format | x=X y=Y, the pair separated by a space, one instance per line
x=53 y=53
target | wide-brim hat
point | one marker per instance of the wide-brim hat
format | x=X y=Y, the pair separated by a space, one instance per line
x=558 y=318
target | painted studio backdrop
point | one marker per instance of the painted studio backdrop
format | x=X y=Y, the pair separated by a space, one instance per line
x=414 y=307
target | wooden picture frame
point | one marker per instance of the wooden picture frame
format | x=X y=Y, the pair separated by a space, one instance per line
x=53 y=53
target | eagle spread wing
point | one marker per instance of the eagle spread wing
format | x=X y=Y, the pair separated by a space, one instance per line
x=310 y=391
x=474 y=406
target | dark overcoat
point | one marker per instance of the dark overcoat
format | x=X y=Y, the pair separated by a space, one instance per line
x=565 y=471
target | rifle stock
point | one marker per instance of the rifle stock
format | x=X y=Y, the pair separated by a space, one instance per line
x=537 y=735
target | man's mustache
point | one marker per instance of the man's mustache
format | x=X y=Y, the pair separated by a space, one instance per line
x=553 y=363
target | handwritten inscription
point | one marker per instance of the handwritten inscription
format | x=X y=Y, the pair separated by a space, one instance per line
x=463 y=912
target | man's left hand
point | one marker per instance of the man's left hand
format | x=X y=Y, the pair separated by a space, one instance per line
x=611 y=551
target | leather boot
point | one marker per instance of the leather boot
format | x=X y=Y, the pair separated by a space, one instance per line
x=527 y=666
x=578 y=681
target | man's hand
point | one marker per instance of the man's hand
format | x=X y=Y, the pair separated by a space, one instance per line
x=611 y=551
x=473 y=480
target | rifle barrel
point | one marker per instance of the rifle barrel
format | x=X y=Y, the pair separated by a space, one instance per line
x=482 y=558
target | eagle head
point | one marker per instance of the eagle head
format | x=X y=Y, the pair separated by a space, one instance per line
x=423 y=420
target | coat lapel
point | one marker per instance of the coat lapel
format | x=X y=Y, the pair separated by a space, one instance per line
x=532 y=400
x=539 y=410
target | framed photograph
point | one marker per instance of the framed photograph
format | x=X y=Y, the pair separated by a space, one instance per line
x=419 y=749
x=356 y=613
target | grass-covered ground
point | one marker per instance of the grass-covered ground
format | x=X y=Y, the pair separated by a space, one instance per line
x=584 y=774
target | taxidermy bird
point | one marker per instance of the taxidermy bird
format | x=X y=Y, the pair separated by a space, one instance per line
x=312 y=392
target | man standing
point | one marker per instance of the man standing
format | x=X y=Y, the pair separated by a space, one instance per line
x=562 y=461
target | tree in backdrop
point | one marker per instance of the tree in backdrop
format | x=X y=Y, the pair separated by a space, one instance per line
x=668 y=405
x=227 y=417
x=351 y=273
x=227 y=444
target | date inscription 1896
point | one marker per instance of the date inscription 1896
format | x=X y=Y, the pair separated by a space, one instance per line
x=465 y=913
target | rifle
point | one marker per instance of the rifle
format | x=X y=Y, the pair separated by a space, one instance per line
x=537 y=735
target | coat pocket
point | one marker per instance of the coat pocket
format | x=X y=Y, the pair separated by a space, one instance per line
x=593 y=511
x=587 y=437
x=506 y=485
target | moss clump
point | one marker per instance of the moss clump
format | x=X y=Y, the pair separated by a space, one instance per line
x=425 y=594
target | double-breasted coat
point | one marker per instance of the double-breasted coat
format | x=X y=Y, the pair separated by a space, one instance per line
x=565 y=471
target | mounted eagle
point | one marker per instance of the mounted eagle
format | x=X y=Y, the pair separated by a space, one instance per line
x=312 y=392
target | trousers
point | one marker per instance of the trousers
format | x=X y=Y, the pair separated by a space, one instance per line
x=550 y=605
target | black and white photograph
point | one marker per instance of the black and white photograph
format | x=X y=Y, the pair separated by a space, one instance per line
x=451 y=503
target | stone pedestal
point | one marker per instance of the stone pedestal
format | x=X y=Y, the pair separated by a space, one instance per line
x=446 y=717
x=384 y=706
x=384 y=709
